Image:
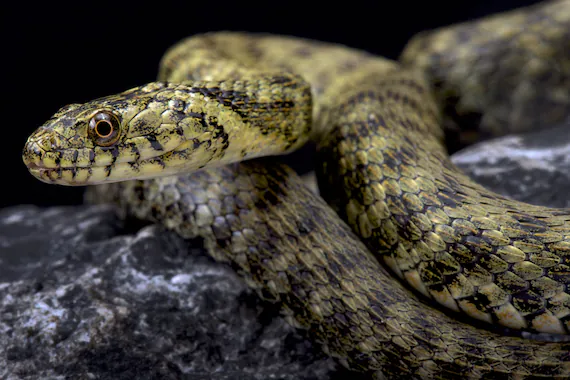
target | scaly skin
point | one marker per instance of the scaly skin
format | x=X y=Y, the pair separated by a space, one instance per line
x=504 y=74
x=225 y=97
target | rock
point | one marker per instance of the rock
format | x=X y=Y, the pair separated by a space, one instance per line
x=86 y=296
x=533 y=167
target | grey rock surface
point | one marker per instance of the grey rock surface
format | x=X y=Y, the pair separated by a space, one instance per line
x=82 y=297
x=532 y=167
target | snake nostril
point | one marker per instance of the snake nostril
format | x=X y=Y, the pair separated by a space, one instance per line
x=36 y=149
x=46 y=141
x=31 y=147
x=32 y=154
x=43 y=143
x=53 y=142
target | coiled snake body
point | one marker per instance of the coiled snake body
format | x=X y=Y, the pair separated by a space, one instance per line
x=223 y=98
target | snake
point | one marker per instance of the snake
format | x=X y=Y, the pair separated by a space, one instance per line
x=402 y=266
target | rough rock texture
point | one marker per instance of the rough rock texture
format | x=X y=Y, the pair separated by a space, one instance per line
x=84 y=295
x=83 y=298
x=533 y=167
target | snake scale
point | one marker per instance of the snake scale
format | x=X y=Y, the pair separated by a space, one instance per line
x=226 y=97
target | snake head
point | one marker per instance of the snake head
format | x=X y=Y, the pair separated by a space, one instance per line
x=163 y=129
x=124 y=136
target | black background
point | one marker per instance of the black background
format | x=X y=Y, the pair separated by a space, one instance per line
x=59 y=53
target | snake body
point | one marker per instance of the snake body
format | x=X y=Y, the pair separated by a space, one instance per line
x=222 y=98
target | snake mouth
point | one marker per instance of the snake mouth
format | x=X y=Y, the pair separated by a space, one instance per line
x=72 y=166
x=95 y=174
x=40 y=172
x=50 y=167
x=83 y=175
x=41 y=161
x=32 y=166
x=51 y=175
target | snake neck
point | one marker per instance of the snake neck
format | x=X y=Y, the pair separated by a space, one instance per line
x=334 y=72
x=264 y=115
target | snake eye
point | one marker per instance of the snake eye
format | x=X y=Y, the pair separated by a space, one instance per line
x=104 y=128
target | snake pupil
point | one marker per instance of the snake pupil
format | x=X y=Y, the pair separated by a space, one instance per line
x=103 y=128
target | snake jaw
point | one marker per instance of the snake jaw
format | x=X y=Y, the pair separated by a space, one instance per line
x=50 y=159
x=39 y=154
x=42 y=157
